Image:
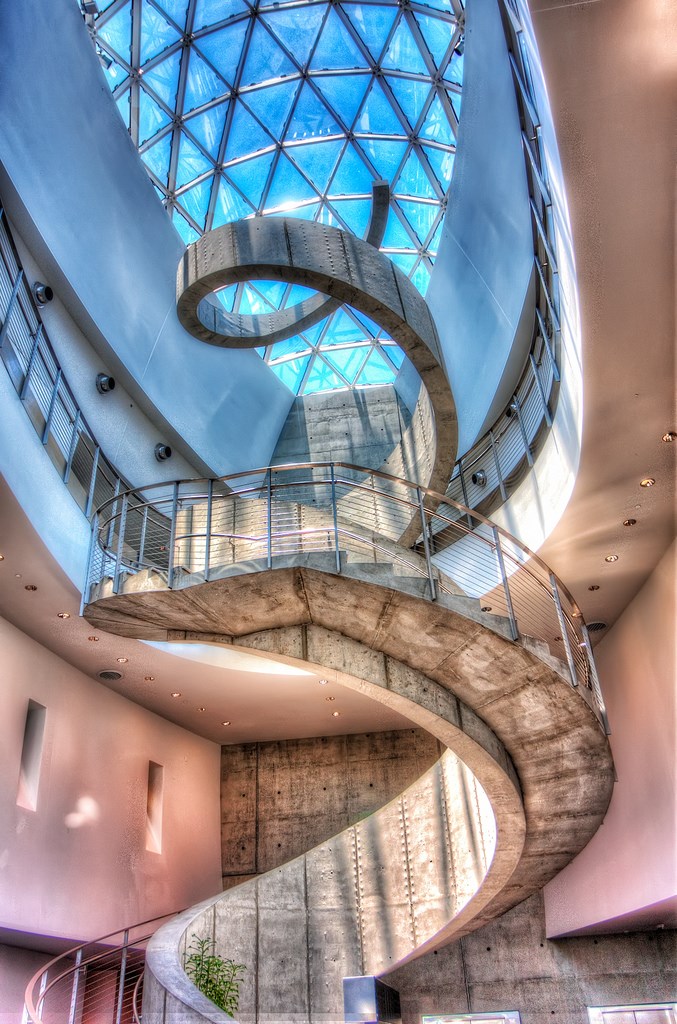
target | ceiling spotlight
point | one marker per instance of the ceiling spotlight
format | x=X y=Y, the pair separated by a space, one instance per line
x=648 y=481
x=42 y=293
x=202 y=709
x=2 y=558
x=104 y=383
x=594 y=586
x=122 y=661
x=225 y=723
x=94 y=639
x=30 y=586
x=149 y=679
x=485 y=608
x=629 y=522
x=323 y=682
x=330 y=698
x=17 y=575
x=670 y=436
x=176 y=693
x=335 y=714
x=63 y=615
x=162 y=452
x=611 y=558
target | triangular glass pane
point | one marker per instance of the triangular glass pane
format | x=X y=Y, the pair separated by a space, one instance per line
x=176 y=9
x=192 y=162
x=223 y=49
x=252 y=303
x=210 y=12
x=115 y=74
x=403 y=260
x=208 y=127
x=230 y=206
x=321 y=378
x=291 y=372
x=394 y=354
x=352 y=176
x=157 y=157
x=251 y=176
x=272 y=105
x=421 y=216
x=297 y=33
x=439 y=5
x=377 y=115
x=297 y=293
x=411 y=95
x=288 y=186
x=156 y=33
x=437 y=34
x=385 y=155
x=311 y=118
x=354 y=213
x=344 y=93
x=164 y=79
x=125 y=108
x=289 y=347
x=196 y=201
x=454 y=69
x=434 y=243
x=376 y=370
x=373 y=22
x=442 y=162
x=202 y=84
x=151 y=117
x=316 y=160
x=346 y=361
x=396 y=236
x=371 y=328
x=245 y=135
x=306 y=212
x=187 y=232
x=342 y=330
x=455 y=98
x=336 y=47
x=226 y=297
x=312 y=335
x=436 y=125
x=117 y=32
x=421 y=277
x=403 y=53
x=414 y=181
x=266 y=58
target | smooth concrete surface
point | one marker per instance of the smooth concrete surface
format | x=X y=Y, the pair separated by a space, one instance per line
x=86 y=208
x=511 y=965
x=630 y=866
x=342 y=266
x=480 y=290
x=77 y=866
x=281 y=798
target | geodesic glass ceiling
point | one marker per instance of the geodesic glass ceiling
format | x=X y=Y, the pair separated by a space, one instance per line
x=288 y=107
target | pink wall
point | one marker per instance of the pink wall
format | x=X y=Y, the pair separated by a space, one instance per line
x=629 y=869
x=77 y=866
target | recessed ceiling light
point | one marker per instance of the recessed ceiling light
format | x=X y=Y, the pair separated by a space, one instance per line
x=202 y=709
x=611 y=558
x=93 y=638
x=648 y=481
x=30 y=586
x=176 y=693
x=149 y=679
x=330 y=698
x=225 y=723
x=670 y=436
x=335 y=714
x=2 y=558
x=122 y=661
x=17 y=575
x=485 y=608
x=629 y=522
x=323 y=682
x=593 y=586
x=63 y=615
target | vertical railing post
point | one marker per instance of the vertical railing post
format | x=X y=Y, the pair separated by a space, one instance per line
x=208 y=528
x=92 y=482
x=72 y=446
x=172 y=535
x=514 y=631
x=596 y=688
x=494 y=452
x=269 y=504
x=335 y=515
x=75 y=989
x=90 y=562
x=122 y=524
x=142 y=538
x=539 y=385
x=41 y=994
x=31 y=361
x=432 y=582
x=10 y=307
x=563 y=630
x=520 y=423
x=464 y=491
x=121 y=982
x=52 y=404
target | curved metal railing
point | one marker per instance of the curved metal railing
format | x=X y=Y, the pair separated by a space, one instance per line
x=195 y=531
x=98 y=980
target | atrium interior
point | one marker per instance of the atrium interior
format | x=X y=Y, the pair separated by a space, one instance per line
x=338 y=569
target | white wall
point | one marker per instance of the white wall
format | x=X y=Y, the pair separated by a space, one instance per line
x=628 y=870
x=83 y=879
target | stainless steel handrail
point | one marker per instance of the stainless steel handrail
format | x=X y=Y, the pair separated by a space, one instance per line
x=279 y=512
x=70 y=979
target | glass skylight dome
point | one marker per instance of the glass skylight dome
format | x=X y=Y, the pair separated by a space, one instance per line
x=248 y=107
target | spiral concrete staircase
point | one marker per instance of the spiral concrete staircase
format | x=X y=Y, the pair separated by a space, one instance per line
x=527 y=772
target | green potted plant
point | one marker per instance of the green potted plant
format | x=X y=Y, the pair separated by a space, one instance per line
x=217 y=977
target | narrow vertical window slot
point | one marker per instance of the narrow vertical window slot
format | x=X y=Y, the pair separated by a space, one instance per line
x=31 y=756
x=154 y=807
